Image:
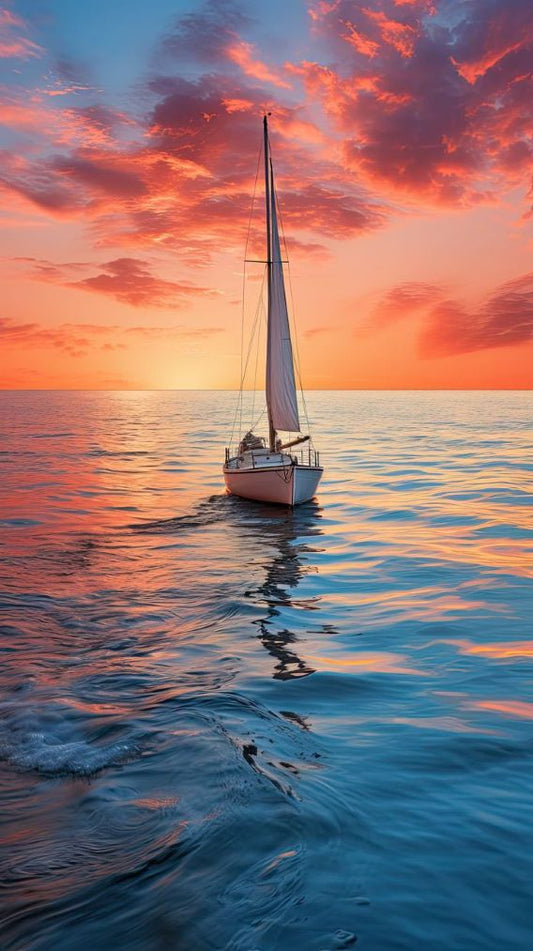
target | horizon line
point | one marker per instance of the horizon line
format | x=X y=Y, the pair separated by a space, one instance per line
x=208 y=389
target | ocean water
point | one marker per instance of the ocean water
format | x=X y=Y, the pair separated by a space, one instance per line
x=225 y=725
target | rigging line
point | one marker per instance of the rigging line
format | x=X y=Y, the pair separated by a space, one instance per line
x=257 y=318
x=243 y=377
x=255 y=371
x=258 y=314
x=256 y=422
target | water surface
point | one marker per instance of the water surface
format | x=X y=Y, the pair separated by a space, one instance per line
x=225 y=725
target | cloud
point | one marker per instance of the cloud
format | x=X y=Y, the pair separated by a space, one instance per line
x=72 y=339
x=490 y=36
x=99 y=175
x=77 y=340
x=13 y=43
x=401 y=36
x=128 y=280
x=434 y=108
x=185 y=176
x=436 y=105
x=243 y=55
x=504 y=319
x=203 y=36
x=405 y=300
x=360 y=42
x=179 y=330
x=448 y=327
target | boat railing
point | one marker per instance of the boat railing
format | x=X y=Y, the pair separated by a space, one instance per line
x=302 y=457
x=307 y=457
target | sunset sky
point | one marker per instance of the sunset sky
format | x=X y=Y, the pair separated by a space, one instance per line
x=401 y=134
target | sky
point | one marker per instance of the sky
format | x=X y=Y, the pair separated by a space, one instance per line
x=130 y=136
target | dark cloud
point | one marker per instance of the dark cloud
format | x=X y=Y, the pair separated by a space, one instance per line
x=97 y=174
x=203 y=36
x=441 y=106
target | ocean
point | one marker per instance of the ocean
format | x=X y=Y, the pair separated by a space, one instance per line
x=225 y=725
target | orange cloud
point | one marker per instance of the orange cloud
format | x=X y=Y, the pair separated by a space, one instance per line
x=472 y=71
x=237 y=105
x=363 y=44
x=323 y=7
x=401 y=36
x=242 y=54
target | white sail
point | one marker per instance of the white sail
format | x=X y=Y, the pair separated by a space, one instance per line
x=280 y=384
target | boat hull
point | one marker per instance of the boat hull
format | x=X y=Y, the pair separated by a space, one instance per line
x=282 y=485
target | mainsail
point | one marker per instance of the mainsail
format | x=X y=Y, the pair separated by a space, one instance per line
x=280 y=384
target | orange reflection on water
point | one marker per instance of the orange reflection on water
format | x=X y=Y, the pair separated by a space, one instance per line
x=378 y=662
x=499 y=650
x=512 y=708
x=153 y=803
x=288 y=854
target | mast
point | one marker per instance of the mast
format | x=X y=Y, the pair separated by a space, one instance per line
x=271 y=430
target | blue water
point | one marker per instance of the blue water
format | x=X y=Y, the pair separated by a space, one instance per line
x=225 y=725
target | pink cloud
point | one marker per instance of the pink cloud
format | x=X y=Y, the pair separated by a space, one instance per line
x=361 y=43
x=242 y=54
x=447 y=326
x=401 y=36
x=448 y=121
x=130 y=281
x=505 y=318
x=13 y=45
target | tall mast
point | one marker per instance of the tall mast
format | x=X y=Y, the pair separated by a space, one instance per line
x=271 y=430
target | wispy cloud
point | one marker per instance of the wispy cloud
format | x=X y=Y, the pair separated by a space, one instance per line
x=503 y=319
x=79 y=339
x=14 y=44
x=447 y=326
x=128 y=280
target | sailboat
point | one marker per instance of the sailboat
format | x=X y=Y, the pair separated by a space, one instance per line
x=280 y=469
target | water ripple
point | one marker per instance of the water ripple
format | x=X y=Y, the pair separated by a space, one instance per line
x=233 y=727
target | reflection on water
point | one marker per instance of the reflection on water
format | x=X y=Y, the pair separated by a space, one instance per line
x=231 y=726
x=288 y=531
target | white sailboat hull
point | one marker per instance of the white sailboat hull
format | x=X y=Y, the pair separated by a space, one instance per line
x=282 y=485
